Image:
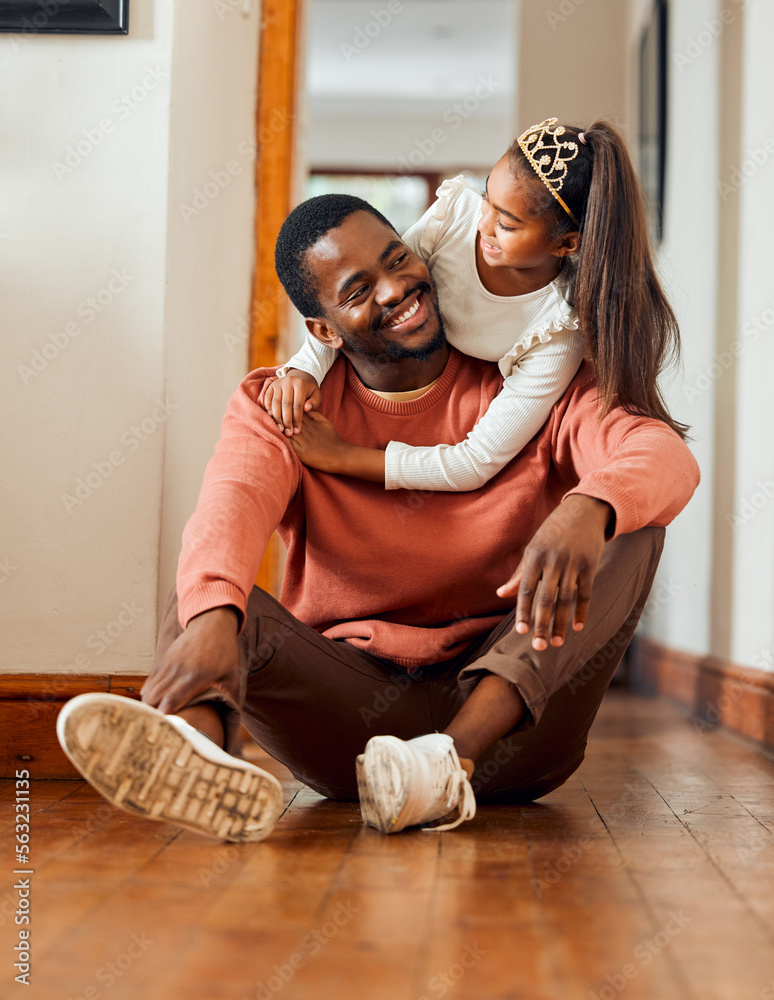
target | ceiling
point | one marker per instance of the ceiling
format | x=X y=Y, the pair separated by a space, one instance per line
x=386 y=57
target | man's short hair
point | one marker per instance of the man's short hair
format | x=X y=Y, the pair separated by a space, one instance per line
x=305 y=225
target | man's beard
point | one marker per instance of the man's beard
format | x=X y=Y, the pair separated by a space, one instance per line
x=395 y=351
x=392 y=350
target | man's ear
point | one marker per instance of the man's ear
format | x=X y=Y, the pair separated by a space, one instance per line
x=320 y=329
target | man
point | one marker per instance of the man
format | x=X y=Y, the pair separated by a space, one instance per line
x=397 y=610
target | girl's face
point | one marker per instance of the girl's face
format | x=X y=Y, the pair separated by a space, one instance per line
x=509 y=234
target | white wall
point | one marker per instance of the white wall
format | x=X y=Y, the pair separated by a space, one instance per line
x=103 y=137
x=752 y=183
x=679 y=614
x=210 y=253
x=715 y=589
x=572 y=61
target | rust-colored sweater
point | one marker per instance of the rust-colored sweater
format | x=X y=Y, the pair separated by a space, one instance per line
x=410 y=576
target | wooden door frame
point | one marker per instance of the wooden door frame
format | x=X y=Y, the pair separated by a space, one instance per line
x=275 y=171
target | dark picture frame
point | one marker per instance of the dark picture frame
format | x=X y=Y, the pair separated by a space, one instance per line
x=653 y=114
x=74 y=17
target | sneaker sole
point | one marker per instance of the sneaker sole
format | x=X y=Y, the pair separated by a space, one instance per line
x=381 y=802
x=141 y=763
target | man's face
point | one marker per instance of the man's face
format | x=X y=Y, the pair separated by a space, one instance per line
x=377 y=295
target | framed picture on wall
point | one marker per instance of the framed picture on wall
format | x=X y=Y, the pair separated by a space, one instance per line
x=653 y=113
x=74 y=17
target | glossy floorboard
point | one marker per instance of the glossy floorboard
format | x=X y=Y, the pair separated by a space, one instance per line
x=649 y=875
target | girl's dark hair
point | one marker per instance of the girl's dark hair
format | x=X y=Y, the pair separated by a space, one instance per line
x=629 y=328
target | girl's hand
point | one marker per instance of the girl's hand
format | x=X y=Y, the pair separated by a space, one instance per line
x=287 y=399
x=557 y=570
x=320 y=447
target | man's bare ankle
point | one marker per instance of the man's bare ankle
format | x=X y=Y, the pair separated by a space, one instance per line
x=207 y=720
x=468 y=766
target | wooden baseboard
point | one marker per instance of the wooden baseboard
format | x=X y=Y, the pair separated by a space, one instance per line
x=29 y=706
x=715 y=691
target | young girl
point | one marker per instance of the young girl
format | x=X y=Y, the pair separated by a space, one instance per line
x=553 y=265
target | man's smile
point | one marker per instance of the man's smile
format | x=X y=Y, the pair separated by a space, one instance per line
x=410 y=315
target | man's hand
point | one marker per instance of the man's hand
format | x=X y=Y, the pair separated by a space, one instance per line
x=204 y=656
x=287 y=399
x=558 y=568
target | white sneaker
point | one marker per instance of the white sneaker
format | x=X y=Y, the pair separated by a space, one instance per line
x=407 y=783
x=160 y=767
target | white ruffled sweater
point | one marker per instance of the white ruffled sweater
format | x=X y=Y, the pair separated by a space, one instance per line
x=534 y=338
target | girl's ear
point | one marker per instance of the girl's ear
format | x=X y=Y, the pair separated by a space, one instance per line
x=320 y=329
x=569 y=244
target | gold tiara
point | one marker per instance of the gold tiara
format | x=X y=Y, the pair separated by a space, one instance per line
x=548 y=156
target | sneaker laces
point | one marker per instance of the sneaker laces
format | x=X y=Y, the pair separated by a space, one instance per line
x=458 y=793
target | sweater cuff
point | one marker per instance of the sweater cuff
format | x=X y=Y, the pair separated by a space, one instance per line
x=206 y=596
x=627 y=516
x=392 y=465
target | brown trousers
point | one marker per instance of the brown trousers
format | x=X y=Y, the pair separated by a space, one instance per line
x=313 y=703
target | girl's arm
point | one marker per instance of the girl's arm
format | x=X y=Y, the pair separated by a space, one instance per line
x=296 y=390
x=513 y=418
x=313 y=357
x=539 y=378
x=320 y=447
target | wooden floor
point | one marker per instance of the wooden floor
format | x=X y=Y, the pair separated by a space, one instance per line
x=650 y=874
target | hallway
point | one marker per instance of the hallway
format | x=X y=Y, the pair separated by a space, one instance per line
x=148 y=174
x=648 y=874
